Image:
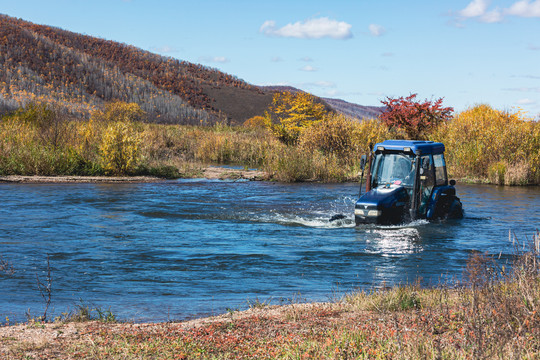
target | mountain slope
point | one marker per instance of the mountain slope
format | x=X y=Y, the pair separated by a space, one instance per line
x=354 y=110
x=79 y=73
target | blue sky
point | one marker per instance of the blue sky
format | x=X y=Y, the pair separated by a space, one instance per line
x=469 y=52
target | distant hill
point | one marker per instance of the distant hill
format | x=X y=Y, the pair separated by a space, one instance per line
x=80 y=73
x=340 y=106
x=355 y=110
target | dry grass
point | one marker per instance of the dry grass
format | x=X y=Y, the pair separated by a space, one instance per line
x=482 y=144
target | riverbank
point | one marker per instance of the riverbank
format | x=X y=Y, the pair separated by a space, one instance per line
x=400 y=323
x=210 y=172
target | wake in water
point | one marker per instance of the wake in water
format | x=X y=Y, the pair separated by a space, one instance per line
x=339 y=215
x=340 y=210
x=314 y=220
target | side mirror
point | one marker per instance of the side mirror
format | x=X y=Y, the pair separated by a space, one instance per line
x=452 y=182
x=363 y=161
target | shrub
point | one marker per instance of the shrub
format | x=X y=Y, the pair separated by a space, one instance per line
x=485 y=143
x=333 y=135
x=120 y=148
x=416 y=118
x=256 y=122
x=344 y=137
x=120 y=111
x=496 y=172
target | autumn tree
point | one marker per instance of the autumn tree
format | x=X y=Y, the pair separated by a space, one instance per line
x=291 y=113
x=416 y=118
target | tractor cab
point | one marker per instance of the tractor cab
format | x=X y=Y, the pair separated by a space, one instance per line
x=407 y=180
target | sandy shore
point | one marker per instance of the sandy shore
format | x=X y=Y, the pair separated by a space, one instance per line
x=211 y=172
x=53 y=340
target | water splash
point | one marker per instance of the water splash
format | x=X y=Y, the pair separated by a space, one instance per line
x=313 y=221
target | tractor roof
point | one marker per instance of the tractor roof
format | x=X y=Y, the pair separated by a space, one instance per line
x=425 y=147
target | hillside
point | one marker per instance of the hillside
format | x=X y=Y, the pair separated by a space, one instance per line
x=80 y=73
x=354 y=110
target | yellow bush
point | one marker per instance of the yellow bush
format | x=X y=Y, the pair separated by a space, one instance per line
x=256 y=122
x=120 y=111
x=369 y=132
x=345 y=137
x=120 y=148
x=484 y=143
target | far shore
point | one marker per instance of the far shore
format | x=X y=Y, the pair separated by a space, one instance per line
x=210 y=172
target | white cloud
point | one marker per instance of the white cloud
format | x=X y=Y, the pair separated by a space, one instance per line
x=376 y=30
x=479 y=9
x=214 y=59
x=525 y=101
x=306 y=59
x=276 y=59
x=308 y=68
x=475 y=8
x=525 y=8
x=309 y=29
x=493 y=16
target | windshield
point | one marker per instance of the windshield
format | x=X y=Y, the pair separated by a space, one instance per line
x=393 y=168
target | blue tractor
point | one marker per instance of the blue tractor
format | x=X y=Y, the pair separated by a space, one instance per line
x=406 y=180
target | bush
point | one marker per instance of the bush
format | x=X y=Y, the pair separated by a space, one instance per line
x=256 y=122
x=414 y=117
x=485 y=143
x=120 y=148
x=333 y=135
x=343 y=137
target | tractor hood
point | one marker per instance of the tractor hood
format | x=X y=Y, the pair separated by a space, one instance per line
x=385 y=204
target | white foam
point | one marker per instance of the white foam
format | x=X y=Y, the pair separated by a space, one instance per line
x=313 y=222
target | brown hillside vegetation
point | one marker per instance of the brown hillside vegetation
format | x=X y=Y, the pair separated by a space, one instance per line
x=81 y=72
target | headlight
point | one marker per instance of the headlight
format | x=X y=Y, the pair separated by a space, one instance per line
x=370 y=213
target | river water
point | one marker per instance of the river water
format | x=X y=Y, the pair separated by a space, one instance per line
x=189 y=248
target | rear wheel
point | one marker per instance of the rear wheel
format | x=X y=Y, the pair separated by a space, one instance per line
x=456 y=209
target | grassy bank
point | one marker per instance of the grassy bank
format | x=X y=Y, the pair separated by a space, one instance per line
x=483 y=145
x=492 y=314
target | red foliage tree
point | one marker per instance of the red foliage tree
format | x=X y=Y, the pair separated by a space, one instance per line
x=416 y=118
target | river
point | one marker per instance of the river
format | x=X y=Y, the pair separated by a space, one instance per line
x=190 y=248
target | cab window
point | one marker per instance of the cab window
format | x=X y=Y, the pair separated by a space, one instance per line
x=440 y=170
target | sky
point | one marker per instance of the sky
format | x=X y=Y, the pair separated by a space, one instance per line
x=467 y=52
